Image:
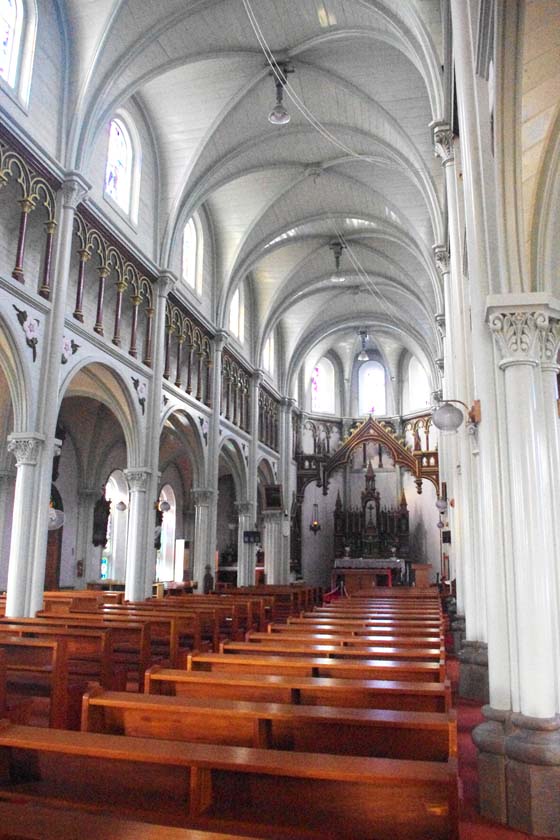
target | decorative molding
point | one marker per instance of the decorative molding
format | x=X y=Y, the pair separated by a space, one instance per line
x=441 y=256
x=74 y=190
x=141 y=391
x=138 y=478
x=440 y=323
x=166 y=283
x=243 y=508
x=519 y=335
x=30 y=327
x=27 y=448
x=201 y=497
x=69 y=347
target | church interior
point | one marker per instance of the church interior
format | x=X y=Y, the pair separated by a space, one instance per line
x=279 y=419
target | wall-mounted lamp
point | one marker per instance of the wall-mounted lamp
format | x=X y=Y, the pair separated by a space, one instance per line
x=56 y=518
x=121 y=505
x=447 y=418
x=164 y=506
x=441 y=503
x=314 y=524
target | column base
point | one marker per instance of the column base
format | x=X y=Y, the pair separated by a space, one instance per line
x=458 y=632
x=473 y=672
x=533 y=775
x=490 y=739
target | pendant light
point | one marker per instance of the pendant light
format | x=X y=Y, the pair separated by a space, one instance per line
x=279 y=114
x=336 y=248
x=363 y=356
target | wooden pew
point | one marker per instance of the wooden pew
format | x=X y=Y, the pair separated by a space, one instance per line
x=321 y=691
x=38 y=668
x=342 y=636
x=313 y=647
x=316 y=666
x=425 y=736
x=376 y=626
x=29 y=820
x=81 y=599
x=208 y=785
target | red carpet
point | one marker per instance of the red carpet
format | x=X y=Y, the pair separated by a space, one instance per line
x=471 y=825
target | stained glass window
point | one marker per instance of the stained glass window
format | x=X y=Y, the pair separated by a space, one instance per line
x=118 y=175
x=190 y=253
x=10 y=28
x=268 y=354
x=236 y=315
x=372 y=388
x=322 y=387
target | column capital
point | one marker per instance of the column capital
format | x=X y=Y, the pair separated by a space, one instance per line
x=443 y=141
x=220 y=340
x=440 y=323
x=273 y=515
x=441 y=256
x=138 y=478
x=201 y=496
x=243 y=508
x=74 y=189
x=166 y=282
x=258 y=376
x=526 y=328
x=27 y=447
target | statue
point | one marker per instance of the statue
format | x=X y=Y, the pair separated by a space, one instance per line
x=208 y=580
x=101 y=513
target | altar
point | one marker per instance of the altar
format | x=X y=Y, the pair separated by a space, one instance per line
x=363 y=573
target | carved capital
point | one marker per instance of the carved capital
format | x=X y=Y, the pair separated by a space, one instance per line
x=519 y=335
x=138 y=478
x=27 y=448
x=220 y=341
x=441 y=256
x=74 y=190
x=258 y=376
x=440 y=363
x=440 y=323
x=166 y=283
x=201 y=496
x=243 y=508
x=550 y=343
x=443 y=142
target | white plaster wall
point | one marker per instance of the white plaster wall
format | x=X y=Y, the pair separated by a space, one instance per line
x=423 y=516
x=67 y=486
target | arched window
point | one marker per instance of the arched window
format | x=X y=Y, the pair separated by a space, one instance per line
x=371 y=388
x=122 y=173
x=237 y=315
x=322 y=387
x=18 y=20
x=165 y=559
x=268 y=354
x=113 y=555
x=417 y=393
x=192 y=251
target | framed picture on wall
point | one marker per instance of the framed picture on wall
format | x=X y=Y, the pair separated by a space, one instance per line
x=273 y=497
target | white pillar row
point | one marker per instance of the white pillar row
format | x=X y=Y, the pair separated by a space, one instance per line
x=27 y=449
x=87 y=496
x=274 y=570
x=202 y=500
x=285 y=449
x=74 y=189
x=141 y=526
x=220 y=340
x=245 y=551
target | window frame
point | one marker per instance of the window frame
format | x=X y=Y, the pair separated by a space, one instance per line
x=371 y=363
x=130 y=132
x=332 y=400
x=197 y=260
x=17 y=85
x=238 y=332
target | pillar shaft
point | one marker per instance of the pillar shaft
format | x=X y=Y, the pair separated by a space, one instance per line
x=202 y=500
x=274 y=570
x=141 y=524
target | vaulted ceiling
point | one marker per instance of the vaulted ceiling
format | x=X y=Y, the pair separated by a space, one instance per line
x=355 y=163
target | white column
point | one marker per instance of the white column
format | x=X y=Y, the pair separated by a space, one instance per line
x=7 y=483
x=87 y=496
x=518 y=331
x=285 y=450
x=272 y=544
x=141 y=526
x=220 y=340
x=245 y=551
x=27 y=449
x=73 y=191
x=202 y=500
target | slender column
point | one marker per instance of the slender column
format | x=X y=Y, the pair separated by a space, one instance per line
x=7 y=485
x=132 y=350
x=74 y=189
x=208 y=380
x=188 y=387
x=85 y=256
x=148 y=342
x=202 y=500
x=103 y=272
x=26 y=207
x=180 y=342
x=121 y=286
x=285 y=451
x=45 y=289
x=272 y=544
x=198 y=395
x=220 y=340
x=167 y=368
x=141 y=520
x=27 y=449
x=245 y=551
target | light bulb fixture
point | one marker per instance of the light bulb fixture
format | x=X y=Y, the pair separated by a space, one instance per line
x=447 y=417
x=337 y=247
x=441 y=505
x=314 y=524
x=164 y=506
x=121 y=505
x=363 y=356
x=279 y=114
x=56 y=519
x=439 y=524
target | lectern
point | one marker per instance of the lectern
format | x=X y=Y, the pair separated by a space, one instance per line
x=422 y=574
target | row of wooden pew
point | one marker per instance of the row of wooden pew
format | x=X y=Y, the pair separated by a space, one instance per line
x=335 y=724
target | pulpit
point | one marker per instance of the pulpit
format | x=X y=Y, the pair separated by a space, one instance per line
x=422 y=574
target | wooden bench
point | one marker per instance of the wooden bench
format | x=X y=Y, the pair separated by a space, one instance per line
x=321 y=691
x=206 y=785
x=379 y=626
x=37 y=669
x=316 y=666
x=426 y=736
x=30 y=820
x=313 y=647
x=82 y=599
x=342 y=636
